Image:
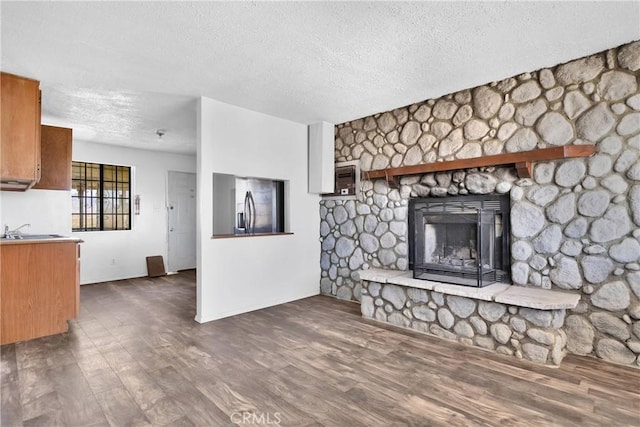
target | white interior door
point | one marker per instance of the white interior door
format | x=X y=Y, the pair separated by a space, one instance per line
x=182 y=221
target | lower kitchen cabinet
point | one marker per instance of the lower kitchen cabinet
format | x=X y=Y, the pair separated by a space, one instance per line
x=40 y=287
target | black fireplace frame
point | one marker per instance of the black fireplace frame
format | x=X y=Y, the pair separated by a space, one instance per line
x=501 y=203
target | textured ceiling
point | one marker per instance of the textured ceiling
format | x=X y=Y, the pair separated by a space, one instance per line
x=117 y=71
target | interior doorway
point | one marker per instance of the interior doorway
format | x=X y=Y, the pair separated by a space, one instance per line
x=182 y=221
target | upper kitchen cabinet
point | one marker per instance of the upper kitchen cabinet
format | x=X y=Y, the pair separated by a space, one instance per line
x=56 y=159
x=20 y=139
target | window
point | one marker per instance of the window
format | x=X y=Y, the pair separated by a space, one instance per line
x=245 y=206
x=101 y=197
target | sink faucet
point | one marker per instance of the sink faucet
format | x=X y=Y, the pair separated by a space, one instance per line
x=14 y=234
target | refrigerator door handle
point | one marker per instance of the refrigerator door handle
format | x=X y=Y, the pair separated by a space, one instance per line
x=249 y=213
x=252 y=209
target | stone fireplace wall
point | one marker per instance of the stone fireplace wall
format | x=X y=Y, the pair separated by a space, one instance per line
x=575 y=223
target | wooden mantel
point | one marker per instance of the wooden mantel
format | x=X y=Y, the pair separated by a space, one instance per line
x=522 y=161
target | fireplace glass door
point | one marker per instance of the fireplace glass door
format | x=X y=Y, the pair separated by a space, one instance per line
x=456 y=247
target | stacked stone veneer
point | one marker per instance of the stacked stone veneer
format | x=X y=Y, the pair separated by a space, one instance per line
x=536 y=335
x=575 y=223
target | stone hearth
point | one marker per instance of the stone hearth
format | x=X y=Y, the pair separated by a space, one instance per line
x=512 y=320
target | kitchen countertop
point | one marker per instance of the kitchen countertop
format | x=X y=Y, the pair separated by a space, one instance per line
x=29 y=240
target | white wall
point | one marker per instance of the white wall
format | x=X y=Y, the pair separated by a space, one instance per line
x=48 y=211
x=112 y=255
x=243 y=274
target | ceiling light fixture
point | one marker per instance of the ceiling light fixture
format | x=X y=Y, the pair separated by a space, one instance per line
x=160 y=133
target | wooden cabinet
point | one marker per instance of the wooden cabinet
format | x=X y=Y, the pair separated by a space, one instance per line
x=56 y=158
x=31 y=155
x=20 y=133
x=40 y=288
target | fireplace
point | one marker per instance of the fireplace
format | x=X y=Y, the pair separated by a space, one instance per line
x=462 y=240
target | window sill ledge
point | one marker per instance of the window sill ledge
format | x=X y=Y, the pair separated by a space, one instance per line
x=234 y=236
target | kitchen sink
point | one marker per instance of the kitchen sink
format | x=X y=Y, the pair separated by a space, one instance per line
x=35 y=237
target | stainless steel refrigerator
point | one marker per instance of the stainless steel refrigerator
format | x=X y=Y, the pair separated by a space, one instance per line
x=259 y=206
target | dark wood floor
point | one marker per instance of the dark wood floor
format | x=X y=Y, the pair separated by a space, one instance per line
x=135 y=356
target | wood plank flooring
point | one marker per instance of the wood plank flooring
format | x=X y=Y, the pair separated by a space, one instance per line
x=136 y=357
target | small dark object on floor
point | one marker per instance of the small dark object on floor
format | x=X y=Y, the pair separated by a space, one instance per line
x=155 y=266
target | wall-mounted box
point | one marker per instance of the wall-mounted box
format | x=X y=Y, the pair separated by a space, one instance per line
x=347 y=181
x=321 y=158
